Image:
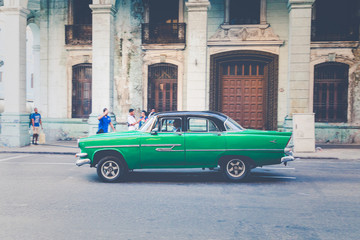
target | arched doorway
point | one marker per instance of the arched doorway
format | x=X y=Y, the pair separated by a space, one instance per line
x=162 y=87
x=81 y=90
x=331 y=92
x=243 y=85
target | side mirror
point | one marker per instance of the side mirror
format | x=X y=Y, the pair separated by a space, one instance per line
x=154 y=132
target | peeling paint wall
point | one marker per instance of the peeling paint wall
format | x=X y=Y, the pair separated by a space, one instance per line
x=128 y=60
x=348 y=132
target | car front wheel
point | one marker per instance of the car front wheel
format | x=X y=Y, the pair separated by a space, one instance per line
x=111 y=169
x=235 y=169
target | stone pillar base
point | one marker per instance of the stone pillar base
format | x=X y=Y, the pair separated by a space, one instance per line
x=93 y=123
x=304 y=132
x=14 y=130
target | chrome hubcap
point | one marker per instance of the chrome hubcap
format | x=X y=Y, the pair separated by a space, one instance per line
x=235 y=168
x=110 y=169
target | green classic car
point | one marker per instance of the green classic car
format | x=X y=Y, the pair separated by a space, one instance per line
x=185 y=140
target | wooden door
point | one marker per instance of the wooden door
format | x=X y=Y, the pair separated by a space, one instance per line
x=81 y=91
x=243 y=89
x=162 y=87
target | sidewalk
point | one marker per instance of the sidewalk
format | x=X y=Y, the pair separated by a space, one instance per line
x=58 y=147
x=70 y=148
x=331 y=153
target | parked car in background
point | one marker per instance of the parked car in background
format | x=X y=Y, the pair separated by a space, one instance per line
x=185 y=140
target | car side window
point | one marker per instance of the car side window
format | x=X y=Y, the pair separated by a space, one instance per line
x=201 y=125
x=171 y=125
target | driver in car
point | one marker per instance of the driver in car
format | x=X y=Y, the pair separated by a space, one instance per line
x=177 y=125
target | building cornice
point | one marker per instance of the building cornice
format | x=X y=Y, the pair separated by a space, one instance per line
x=200 y=6
x=300 y=4
x=103 y=9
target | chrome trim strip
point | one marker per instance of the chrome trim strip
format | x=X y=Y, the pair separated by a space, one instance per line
x=219 y=150
x=205 y=150
x=114 y=146
x=271 y=150
x=168 y=150
x=160 y=145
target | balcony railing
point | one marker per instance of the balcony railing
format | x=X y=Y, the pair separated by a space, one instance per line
x=327 y=32
x=163 y=33
x=79 y=34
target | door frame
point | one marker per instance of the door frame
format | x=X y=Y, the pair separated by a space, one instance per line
x=271 y=84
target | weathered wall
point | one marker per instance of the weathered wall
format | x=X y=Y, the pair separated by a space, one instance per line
x=54 y=87
x=349 y=54
x=128 y=60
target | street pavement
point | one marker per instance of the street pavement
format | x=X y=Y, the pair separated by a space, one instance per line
x=45 y=196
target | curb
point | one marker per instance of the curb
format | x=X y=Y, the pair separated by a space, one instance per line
x=58 y=153
x=308 y=157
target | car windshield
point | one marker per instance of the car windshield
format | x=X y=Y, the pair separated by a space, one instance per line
x=232 y=126
x=148 y=125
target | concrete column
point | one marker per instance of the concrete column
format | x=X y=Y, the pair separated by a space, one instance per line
x=299 y=55
x=227 y=12
x=103 y=60
x=196 y=54
x=263 y=12
x=15 y=120
x=37 y=85
x=299 y=105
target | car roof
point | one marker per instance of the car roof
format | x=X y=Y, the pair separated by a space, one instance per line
x=211 y=114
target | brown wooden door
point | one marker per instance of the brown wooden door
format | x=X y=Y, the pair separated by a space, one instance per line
x=162 y=90
x=243 y=85
x=81 y=91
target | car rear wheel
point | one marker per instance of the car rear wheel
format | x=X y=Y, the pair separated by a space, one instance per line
x=235 y=169
x=111 y=169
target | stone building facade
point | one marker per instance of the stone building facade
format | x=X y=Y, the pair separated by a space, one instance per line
x=258 y=61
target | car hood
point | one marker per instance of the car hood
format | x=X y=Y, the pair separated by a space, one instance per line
x=109 y=136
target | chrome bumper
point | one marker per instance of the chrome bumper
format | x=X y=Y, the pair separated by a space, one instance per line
x=81 y=161
x=287 y=159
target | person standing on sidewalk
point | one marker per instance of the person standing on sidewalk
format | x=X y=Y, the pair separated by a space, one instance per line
x=143 y=118
x=36 y=123
x=132 y=120
x=104 y=122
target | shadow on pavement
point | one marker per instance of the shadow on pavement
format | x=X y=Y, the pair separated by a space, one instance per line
x=195 y=177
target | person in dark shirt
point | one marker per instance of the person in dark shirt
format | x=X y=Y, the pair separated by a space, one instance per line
x=104 y=122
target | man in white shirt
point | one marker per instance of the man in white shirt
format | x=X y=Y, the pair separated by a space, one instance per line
x=132 y=120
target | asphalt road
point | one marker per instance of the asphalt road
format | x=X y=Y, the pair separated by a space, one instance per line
x=48 y=197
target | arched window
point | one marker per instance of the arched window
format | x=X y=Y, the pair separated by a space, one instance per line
x=162 y=87
x=331 y=92
x=81 y=90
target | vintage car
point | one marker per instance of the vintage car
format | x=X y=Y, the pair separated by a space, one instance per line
x=185 y=140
